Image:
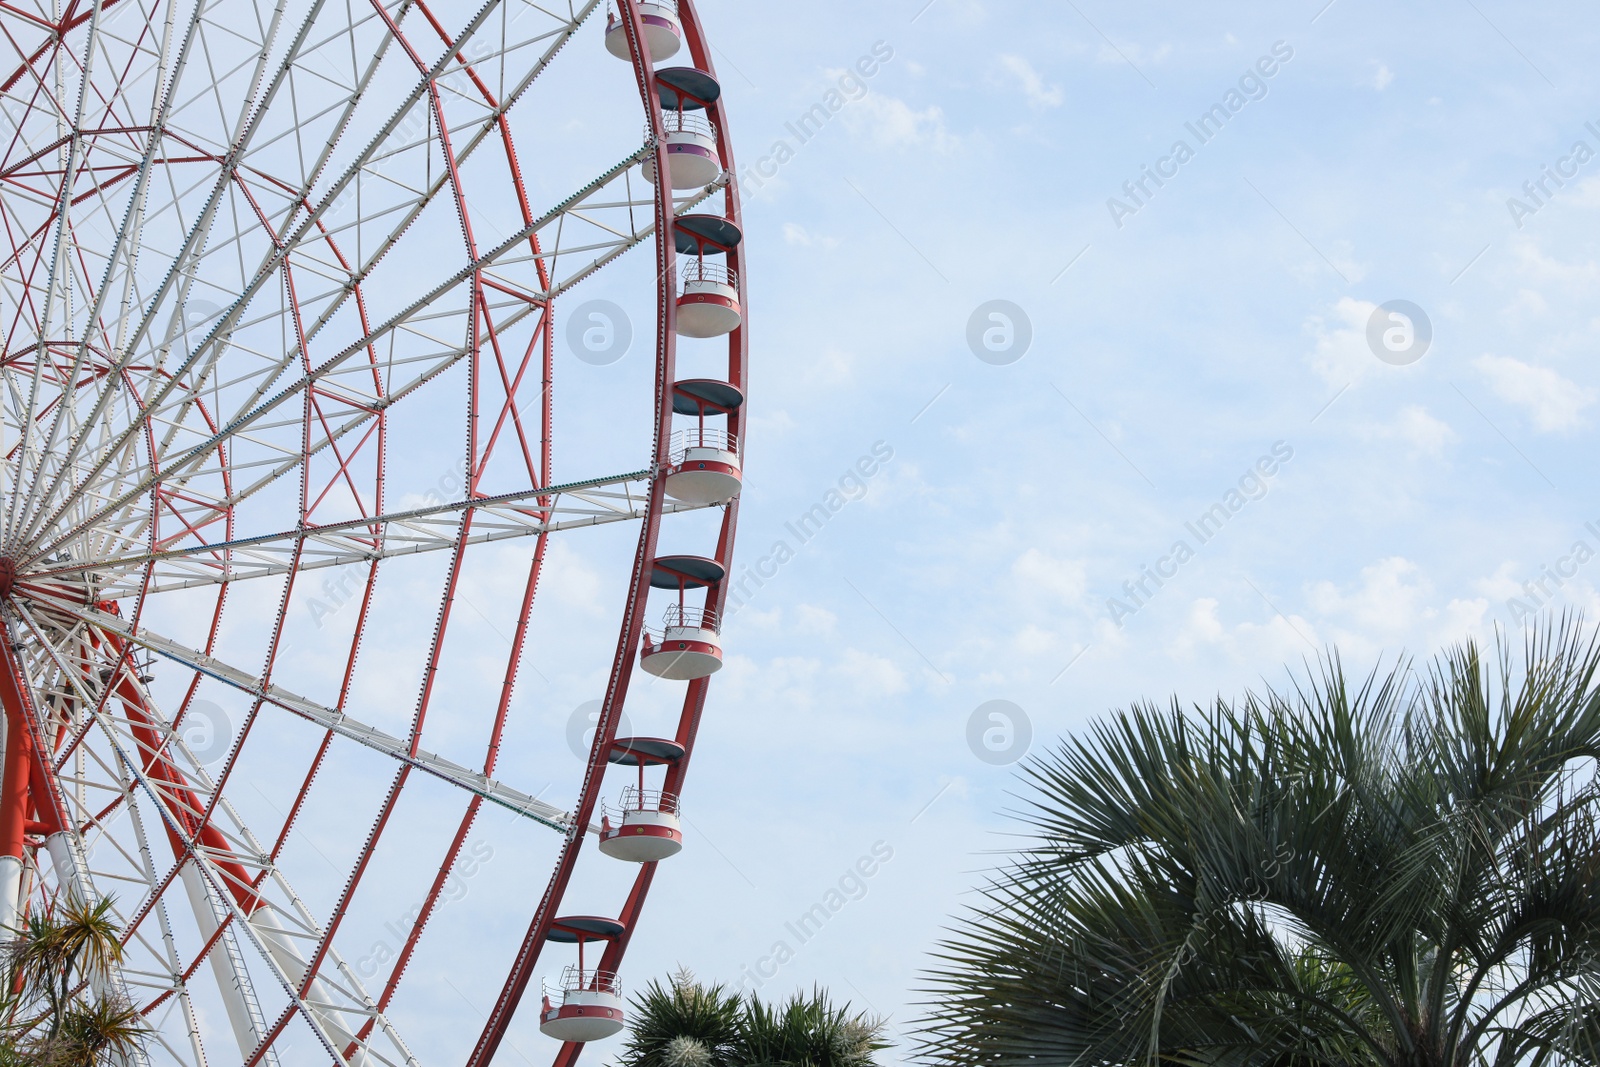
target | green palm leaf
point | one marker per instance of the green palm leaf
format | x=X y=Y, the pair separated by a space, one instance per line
x=686 y=1024
x=1402 y=871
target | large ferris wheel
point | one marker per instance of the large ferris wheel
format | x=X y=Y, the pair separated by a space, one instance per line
x=271 y=268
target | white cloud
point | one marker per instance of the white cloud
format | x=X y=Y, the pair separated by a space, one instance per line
x=770 y=620
x=773 y=423
x=1135 y=54
x=1505 y=582
x=1382 y=77
x=890 y=121
x=1203 y=622
x=1586 y=193
x=834 y=366
x=1341 y=356
x=1420 y=429
x=1389 y=598
x=870 y=675
x=1033 y=86
x=1461 y=617
x=1415 y=425
x=1533 y=263
x=795 y=234
x=1393 y=608
x=812 y=619
x=1553 y=401
x=1034 y=640
x=1062 y=579
x=1342 y=255
x=1554 y=584
x=1528 y=302
x=1278 y=640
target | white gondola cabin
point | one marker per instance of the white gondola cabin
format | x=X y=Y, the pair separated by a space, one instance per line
x=646 y=827
x=703 y=464
x=693 y=159
x=662 y=30
x=689 y=643
x=708 y=302
x=584 y=1004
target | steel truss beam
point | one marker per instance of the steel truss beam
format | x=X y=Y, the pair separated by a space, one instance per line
x=330 y=719
x=594 y=502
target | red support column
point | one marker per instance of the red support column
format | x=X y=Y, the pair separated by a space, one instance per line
x=14 y=779
x=16 y=774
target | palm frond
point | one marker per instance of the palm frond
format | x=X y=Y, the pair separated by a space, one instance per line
x=1402 y=870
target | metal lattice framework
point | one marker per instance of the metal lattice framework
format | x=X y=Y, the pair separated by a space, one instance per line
x=262 y=261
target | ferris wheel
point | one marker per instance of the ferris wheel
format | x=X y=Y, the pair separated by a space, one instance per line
x=281 y=393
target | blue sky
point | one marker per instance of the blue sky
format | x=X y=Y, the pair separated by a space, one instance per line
x=1225 y=317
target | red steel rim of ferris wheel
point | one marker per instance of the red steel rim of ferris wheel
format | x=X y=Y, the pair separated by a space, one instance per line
x=694 y=702
x=196 y=833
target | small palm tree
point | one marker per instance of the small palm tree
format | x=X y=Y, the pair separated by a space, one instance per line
x=686 y=1024
x=683 y=1024
x=1402 y=873
x=55 y=1008
x=102 y=1031
x=806 y=1031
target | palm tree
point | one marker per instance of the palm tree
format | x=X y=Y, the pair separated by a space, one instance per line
x=683 y=1024
x=56 y=1008
x=806 y=1031
x=1399 y=873
x=686 y=1024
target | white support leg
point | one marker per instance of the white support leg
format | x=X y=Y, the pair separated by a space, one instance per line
x=69 y=866
x=10 y=877
x=247 y=1029
x=10 y=896
x=286 y=953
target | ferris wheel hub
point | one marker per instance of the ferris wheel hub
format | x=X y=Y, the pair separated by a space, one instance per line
x=8 y=575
